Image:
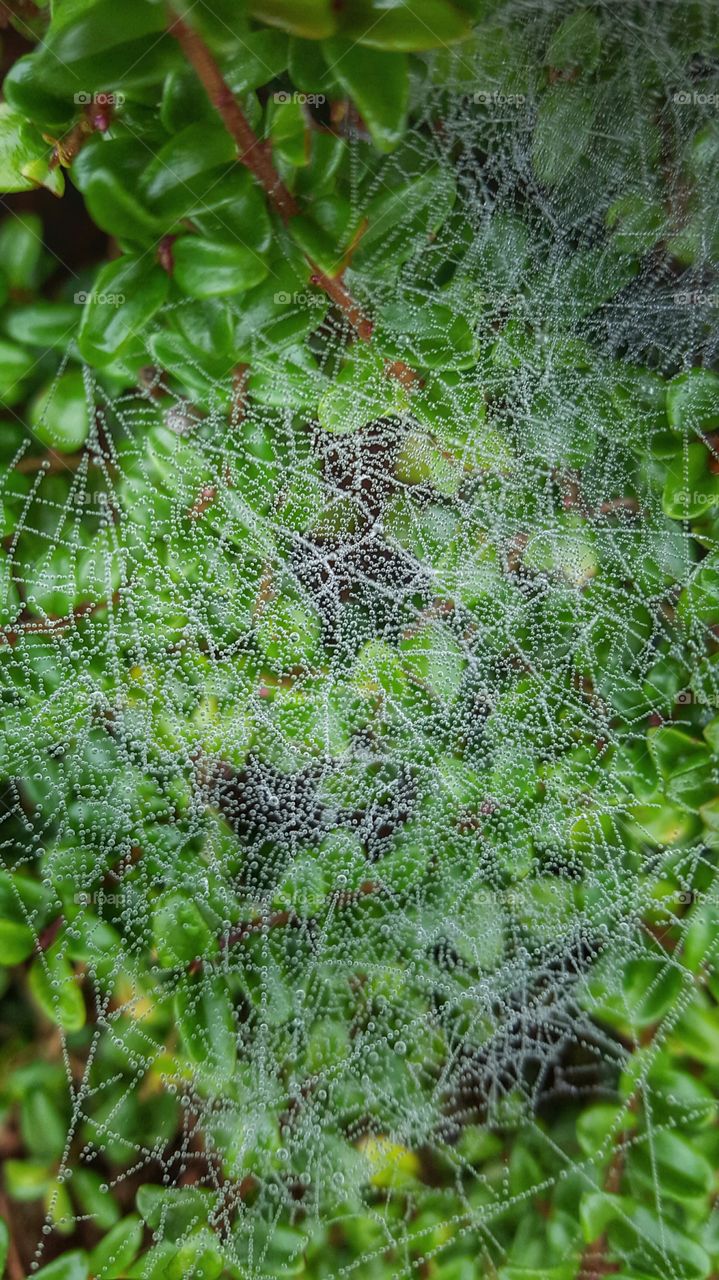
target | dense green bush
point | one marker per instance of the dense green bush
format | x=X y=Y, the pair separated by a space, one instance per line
x=360 y=602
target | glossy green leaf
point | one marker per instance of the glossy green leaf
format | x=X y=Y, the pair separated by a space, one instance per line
x=205 y=269
x=693 y=401
x=59 y=416
x=378 y=83
x=57 y=990
x=313 y=20
x=126 y=295
x=181 y=934
x=110 y=1258
x=562 y=133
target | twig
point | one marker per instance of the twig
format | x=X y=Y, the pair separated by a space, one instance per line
x=251 y=151
x=96 y=118
x=15 y=1268
x=257 y=157
x=337 y=291
x=49 y=626
x=280 y=919
x=50 y=461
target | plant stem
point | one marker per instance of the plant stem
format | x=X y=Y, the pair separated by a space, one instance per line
x=96 y=118
x=15 y=1268
x=251 y=151
x=49 y=626
x=257 y=157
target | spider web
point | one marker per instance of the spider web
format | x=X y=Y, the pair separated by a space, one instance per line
x=365 y=677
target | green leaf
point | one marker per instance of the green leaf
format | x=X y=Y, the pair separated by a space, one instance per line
x=575 y=44
x=313 y=19
x=43 y=324
x=360 y=394
x=4 y=1244
x=98 y=1204
x=55 y=986
x=15 y=365
x=288 y=633
x=21 y=250
x=378 y=84
x=562 y=132
x=409 y=25
x=126 y=295
x=71 y=1266
x=185 y=172
x=288 y=132
x=400 y=216
x=259 y=57
x=117 y=210
x=636 y=223
x=204 y=1016
x=693 y=401
x=104 y=46
x=690 y=488
x=110 y=1259
x=697 y=1034
x=27 y=1179
x=206 y=269
x=24 y=156
x=683 y=1173
x=17 y=942
x=59 y=414
x=180 y=932
x=176 y=1209
x=43 y=1125
x=676 y=752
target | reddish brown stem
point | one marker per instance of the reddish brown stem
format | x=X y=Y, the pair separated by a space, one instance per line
x=251 y=151
x=15 y=1268
x=49 y=934
x=51 y=461
x=257 y=157
x=240 y=378
x=96 y=118
x=50 y=626
x=340 y=295
x=280 y=919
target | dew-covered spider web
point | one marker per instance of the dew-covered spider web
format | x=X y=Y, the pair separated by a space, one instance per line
x=327 y=691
